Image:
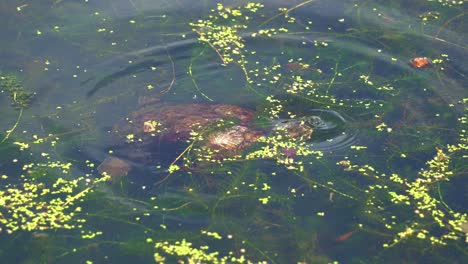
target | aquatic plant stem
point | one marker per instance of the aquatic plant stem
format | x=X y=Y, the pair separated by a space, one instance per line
x=14 y=126
x=312 y=182
x=212 y=46
x=173 y=75
x=178 y=207
x=285 y=12
x=83 y=192
x=442 y=199
x=193 y=79
x=448 y=22
x=259 y=251
x=333 y=78
x=177 y=159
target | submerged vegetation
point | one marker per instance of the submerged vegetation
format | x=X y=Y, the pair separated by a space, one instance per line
x=349 y=143
x=427 y=216
x=21 y=98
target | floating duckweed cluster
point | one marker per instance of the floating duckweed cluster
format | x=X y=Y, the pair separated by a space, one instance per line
x=186 y=251
x=430 y=218
x=33 y=205
x=20 y=96
x=448 y=2
x=223 y=31
x=284 y=150
x=43 y=196
x=430 y=15
x=231 y=48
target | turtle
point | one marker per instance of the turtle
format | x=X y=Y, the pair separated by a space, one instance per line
x=226 y=129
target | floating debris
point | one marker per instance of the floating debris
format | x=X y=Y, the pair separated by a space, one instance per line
x=420 y=62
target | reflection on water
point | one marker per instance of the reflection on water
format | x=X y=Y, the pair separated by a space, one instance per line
x=336 y=73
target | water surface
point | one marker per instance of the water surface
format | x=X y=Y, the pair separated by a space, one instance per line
x=73 y=71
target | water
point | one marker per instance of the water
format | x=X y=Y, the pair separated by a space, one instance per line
x=86 y=81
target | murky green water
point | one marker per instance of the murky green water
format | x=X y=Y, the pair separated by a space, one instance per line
x=275 y=132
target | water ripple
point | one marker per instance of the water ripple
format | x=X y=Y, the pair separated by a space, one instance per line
x=332 y=131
